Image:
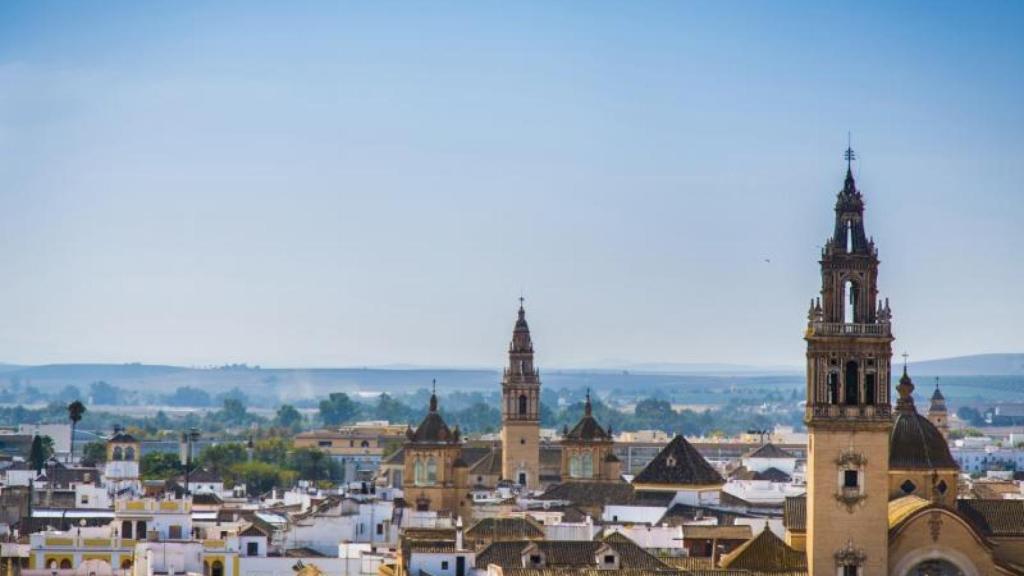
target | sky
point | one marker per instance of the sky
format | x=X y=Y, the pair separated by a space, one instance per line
x=377 y=183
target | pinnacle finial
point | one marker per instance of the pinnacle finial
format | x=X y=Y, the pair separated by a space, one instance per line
x=433 y=395
x=587 y=408
x=849 y=155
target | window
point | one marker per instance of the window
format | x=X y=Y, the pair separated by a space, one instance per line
x=129 y=454
x=869 y=388
x=851 y=383
x=380 y=529
x=118 y=453
x=908 y=487
x=942 y=487
x=364 y=444
x=431 y=470
x=324 y=443
x=252 y=549
x=850 y=479
x=849 y=571
x=522 y=403
x=535 y=559
x=444 y=564
x=833 y=388
x=609 y=559
x=174 y=532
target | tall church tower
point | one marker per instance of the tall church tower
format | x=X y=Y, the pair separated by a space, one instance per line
x=848 y=415
x=520 y=409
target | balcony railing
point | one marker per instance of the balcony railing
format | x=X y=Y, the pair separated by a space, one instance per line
x=850 y=412
x=843 y=329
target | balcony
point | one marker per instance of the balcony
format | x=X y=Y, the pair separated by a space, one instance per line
x=843 y=329
x=841 y=412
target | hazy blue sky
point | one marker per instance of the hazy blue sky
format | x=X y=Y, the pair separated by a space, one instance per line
x=360 y=184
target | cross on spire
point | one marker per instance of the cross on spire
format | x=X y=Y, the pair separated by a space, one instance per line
x=905 y=356
x=849 y=155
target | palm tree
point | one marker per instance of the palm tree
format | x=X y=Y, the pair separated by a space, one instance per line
x=75 y=411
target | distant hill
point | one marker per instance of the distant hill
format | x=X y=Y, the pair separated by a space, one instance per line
x=976 y=365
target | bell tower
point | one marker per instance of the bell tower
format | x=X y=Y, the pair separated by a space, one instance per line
x=520 y=409
x=848 y=415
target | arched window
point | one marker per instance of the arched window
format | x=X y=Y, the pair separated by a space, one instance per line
x=869 y=388
x=850 y=296
x=522 y=403
x=206 y=568
x=431 y=470
x=126 y=529
x=587 y=465
x=574 y=466
x=832 y=388
x=419 y=473
x=364 y=444
x=65 y=564
x=129 y=453
x=118 y=454
x=851 y=383
x=126 y=564
x=140 y=530
x=849 y=235
x=217 y=568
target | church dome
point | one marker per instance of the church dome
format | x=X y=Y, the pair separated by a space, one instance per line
x=916 y=444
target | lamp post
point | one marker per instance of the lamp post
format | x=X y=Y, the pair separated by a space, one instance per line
x=187 y=438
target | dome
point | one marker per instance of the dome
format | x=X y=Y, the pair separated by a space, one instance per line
x=916 y=444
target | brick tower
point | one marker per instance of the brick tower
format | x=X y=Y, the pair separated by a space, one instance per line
x=520 y=409
x=848 y=415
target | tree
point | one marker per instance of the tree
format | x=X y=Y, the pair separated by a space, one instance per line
x=233 y=412
x=272 y=450
x=219 y=457
x=259 y=477
x=312 y=464
x=188 y=396
x=288 y=417
x=337 y=409
x=75 y=412
x=94 y=453
x=392 y=410
x=654 y=412
x=40 y=452
x=161 y=465
x=69 y=393
x=103 y=393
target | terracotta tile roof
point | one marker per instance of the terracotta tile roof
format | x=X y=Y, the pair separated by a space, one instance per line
x=994 y=517
x=712 y=532
x=772 y=475
x=769 y=450
x=506 y=529
x=679 y=463
x=687 y=563
x=590 y=493
x=794 y=513
x=489 y=465
x=431 y=546
x=584 y=571
x=765 y=552
x=569 y=554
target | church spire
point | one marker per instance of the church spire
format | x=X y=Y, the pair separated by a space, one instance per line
x=587 y=408
x=433 y=395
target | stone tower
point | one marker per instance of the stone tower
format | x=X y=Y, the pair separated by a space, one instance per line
x=937 y=412
x=520 y=409
x=848 y=415
x=435 y=477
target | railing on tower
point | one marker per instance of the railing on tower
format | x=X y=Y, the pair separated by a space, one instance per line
x=850 y=411
x=844 y=329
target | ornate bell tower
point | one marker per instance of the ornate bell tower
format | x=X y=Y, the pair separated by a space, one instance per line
x=520 y=409
x=848 y=415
